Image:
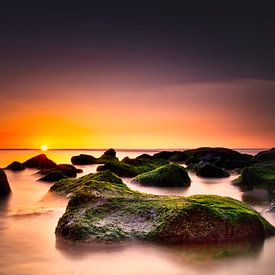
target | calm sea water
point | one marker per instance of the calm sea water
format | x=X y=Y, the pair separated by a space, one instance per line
x=28 y=220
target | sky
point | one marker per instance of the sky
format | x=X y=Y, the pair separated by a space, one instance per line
x=134 y=74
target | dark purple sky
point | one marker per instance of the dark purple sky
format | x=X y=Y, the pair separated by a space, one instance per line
x=157 y=59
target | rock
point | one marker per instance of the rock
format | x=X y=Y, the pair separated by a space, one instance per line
x=260 y=176
x=15 y=166
x=208 y=170
x=5 y=189
x=168 y=175
x=40 y=162
x=166 y=154
x=83 y=159
x=192 y=160
x=144 y=156
x=103 y=209
x=219 y=156
x=268 y=155
x=66 y=169
x=53 y=176
x=132 y=167
x=180 y=158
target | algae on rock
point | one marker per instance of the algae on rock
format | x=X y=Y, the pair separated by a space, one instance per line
x=102 y=208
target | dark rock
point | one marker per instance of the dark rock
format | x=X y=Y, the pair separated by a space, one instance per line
x=40 y=162
x=166 y=154
x=168 y=175
x=180 y=158
x=53 y=176
x=66 y=169
x=209 y=170
x=5 y=189
x=15 y=166
x=219 y=156
x=192 y=160
x=268 y=155
x=260 y=175
x=83 y=159
x=103 y=209
x=144 y=156
x=132 y=167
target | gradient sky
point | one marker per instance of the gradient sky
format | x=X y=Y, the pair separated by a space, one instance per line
x=134 y=74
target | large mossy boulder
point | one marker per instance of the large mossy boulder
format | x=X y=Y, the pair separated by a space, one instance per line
x=222 y=157
x=103 y=209
x=5 y=189
x=132 y=167
x=209 y=170
x=260 y=176
x=40 y=162
x=169 y=175
x=83 y=159
x=15 y=166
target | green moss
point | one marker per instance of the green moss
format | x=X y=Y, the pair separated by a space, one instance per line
x=166 y=175
x=260 y=175
x=103 y=208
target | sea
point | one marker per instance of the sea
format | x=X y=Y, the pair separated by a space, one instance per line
x=28 y=219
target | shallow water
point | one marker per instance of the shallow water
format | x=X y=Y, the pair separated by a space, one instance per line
x=28 y=244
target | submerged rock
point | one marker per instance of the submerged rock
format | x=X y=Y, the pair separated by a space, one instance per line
x=16 y=166
x=132 y=167
x=40 y=162
x=83 y=159
x=102 y=208
x=208 y=170
x=167 y=175
x=53 y=176
x=5 y=189
x=260 y=175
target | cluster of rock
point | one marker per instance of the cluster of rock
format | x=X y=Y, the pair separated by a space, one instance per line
x=49 y=170
x=103 y=209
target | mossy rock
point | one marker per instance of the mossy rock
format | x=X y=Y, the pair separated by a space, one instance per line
x=15 y=166
x=84 y=159
x=168 y=175
x=40 y=162
x=132 y=167
x=259 y=176
x=103 y=209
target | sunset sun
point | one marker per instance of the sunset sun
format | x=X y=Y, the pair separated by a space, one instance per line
x=44 y=148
